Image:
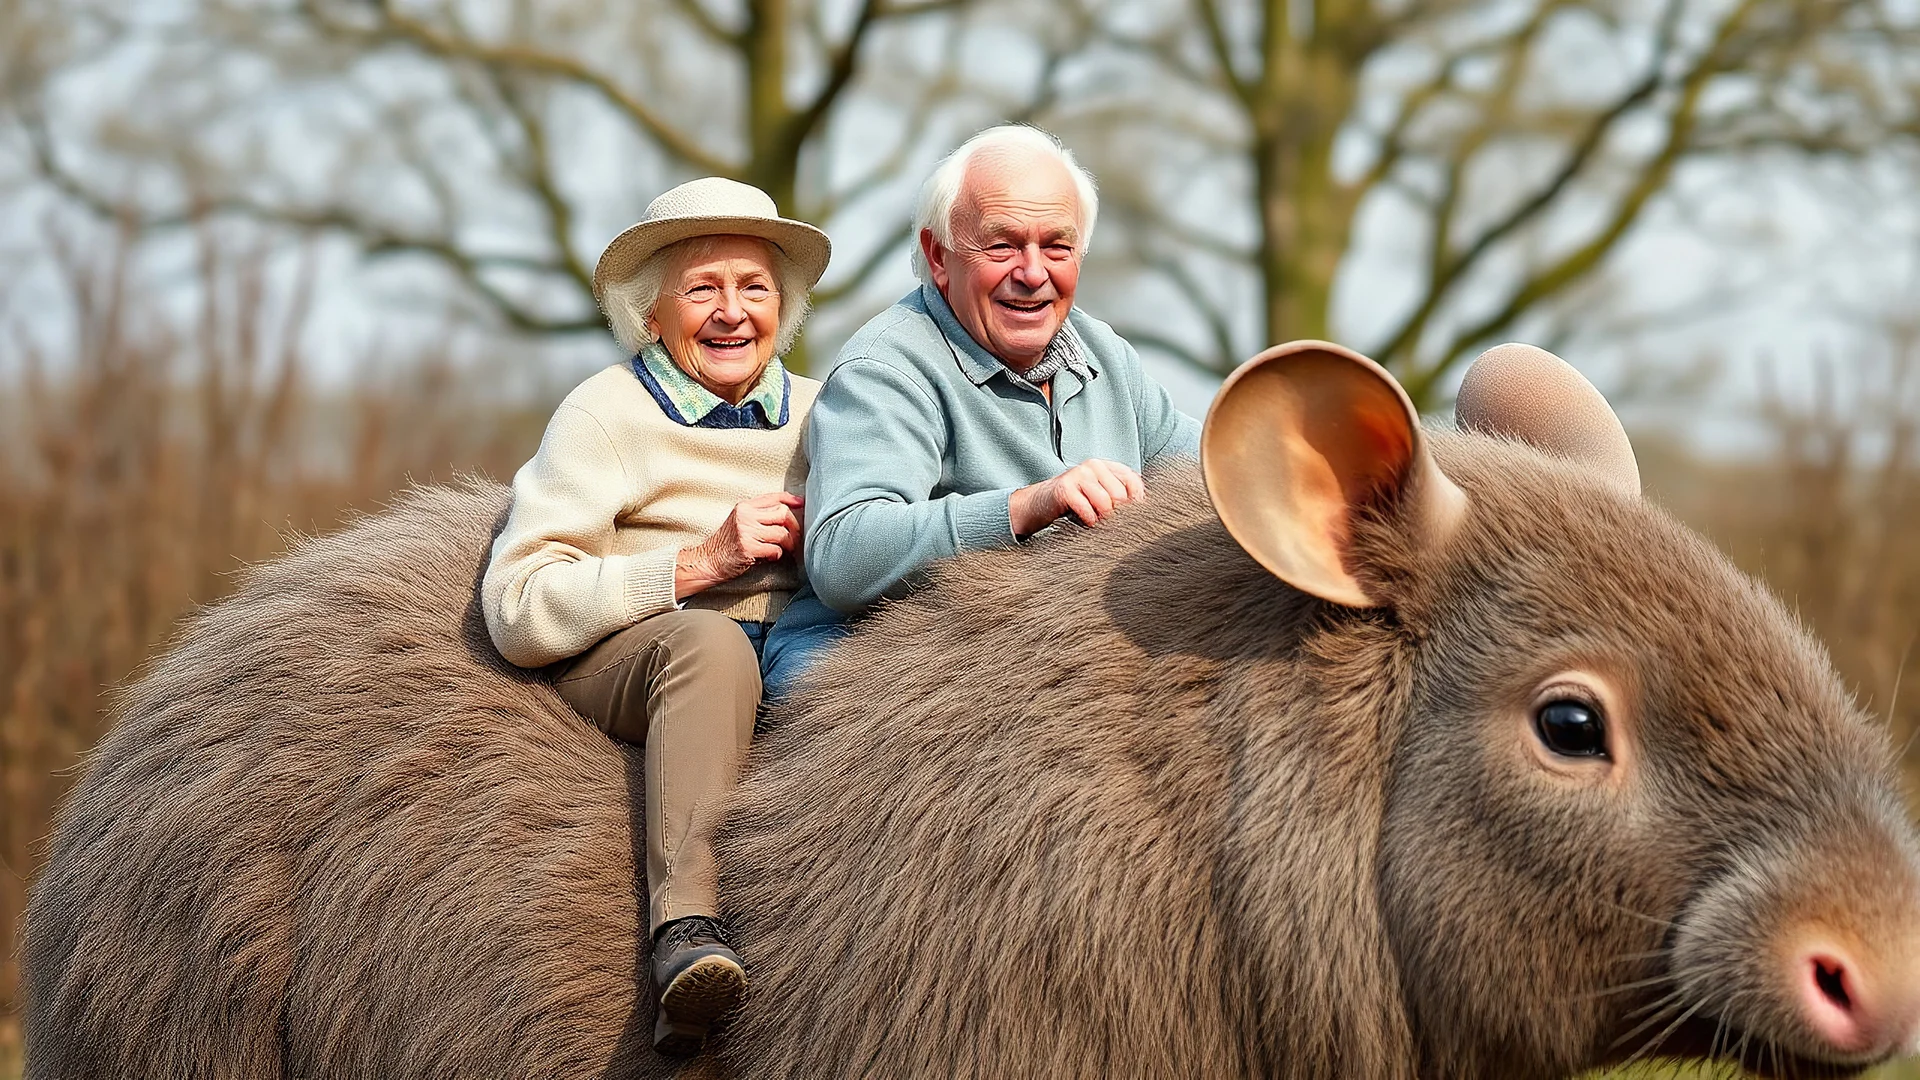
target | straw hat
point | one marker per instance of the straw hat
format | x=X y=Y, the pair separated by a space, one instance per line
x=712 y=206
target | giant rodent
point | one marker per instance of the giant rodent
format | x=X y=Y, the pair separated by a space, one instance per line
x=1382 y=753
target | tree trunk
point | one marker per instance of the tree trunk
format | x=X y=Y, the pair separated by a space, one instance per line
x=1306 y=92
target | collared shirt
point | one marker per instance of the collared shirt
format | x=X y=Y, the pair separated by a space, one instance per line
x=920 y=435
x=688 y=403
x=1067 y=351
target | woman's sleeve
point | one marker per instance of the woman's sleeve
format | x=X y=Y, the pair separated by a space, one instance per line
x=551 y=590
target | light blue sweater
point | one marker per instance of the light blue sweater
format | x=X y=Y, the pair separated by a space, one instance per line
x=920 y=435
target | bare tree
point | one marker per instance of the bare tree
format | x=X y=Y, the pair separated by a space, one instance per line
x=505 y=142
x=1509 y=147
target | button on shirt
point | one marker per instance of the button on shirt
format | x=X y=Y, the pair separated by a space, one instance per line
x=920 y=436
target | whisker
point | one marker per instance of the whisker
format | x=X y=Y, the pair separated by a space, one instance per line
x=1628 y=958
x=1740 y=1051
x=1661 y=1002
x=1660 y=1010
x=1893 y=699
x=1722 y=1025
x=1664 y=924
x=1660 y=1038
x=1637 y=984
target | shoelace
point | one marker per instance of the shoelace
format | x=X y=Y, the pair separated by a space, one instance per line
x=690 y=932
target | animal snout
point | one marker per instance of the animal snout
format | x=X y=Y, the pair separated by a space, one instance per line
x=1807 y=948
x=1861 y=1003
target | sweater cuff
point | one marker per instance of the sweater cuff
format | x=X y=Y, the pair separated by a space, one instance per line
x=983 y=520
x=649 y=583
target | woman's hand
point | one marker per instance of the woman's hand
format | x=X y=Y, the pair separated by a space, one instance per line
x=764 y=527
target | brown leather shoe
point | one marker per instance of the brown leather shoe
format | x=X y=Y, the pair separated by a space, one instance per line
x=700 y=980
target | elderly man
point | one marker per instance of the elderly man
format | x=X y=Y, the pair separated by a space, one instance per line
x=983 y=406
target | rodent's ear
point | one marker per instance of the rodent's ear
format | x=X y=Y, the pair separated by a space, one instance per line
x=1526 y=393
x=1298 y=440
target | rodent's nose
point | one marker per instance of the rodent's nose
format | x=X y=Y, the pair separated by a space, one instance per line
x=1855 y=1010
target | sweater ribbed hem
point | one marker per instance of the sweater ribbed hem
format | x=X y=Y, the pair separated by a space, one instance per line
x=763 y=607
x=649 y=582
x=983 y=519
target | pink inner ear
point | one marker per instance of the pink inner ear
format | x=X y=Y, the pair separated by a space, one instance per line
x=1384 y=445
x=1300 y=438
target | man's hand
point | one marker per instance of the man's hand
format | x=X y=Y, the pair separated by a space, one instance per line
x=1088 y=491
x=764 y=527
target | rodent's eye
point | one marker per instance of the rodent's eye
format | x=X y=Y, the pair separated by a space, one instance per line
x=1571 y=728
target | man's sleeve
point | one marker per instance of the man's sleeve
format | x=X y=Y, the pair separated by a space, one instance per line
x=875 y=440
x=1166 y=433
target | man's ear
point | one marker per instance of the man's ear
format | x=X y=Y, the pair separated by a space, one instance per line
x=1302 y=438
x=936 y=256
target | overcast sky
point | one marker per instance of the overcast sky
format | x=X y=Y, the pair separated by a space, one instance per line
x=1765 y=269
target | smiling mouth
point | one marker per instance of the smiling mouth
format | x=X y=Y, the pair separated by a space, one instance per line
x=1029 y=307
x=727 y=344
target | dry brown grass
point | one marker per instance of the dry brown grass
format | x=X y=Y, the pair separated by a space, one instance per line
x=10 y=1063
x=152 y=452
x=1831 y=518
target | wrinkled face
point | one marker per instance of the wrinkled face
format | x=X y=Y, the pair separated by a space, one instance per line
x=1633 y=812
x=719 y=313
x=1015 y=259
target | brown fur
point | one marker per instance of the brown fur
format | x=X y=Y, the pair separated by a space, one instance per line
x=1116 y=803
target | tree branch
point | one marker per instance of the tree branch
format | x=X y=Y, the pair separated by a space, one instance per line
x=1577 y=263
x=1446 y=272
x=1392 y=140
x=377 y=240
x=1222 y=48
x=893 y=246
x=539 y=176
x=1141 y=337
x=844 y=61
x=697 y=14
x=396 y=28
x=1202 y=301
x=1165 y=48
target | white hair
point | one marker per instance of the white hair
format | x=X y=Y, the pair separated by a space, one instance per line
x=630 y=302
x=933 y=210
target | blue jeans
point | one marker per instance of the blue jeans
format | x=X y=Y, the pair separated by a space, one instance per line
x=790 y=645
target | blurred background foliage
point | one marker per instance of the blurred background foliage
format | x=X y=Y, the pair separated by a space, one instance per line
x=270 y=260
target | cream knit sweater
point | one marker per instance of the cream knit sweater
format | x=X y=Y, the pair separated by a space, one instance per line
x=601 y=512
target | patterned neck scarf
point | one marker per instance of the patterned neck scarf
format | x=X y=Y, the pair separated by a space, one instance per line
x=1064 y=351
x=688 y=403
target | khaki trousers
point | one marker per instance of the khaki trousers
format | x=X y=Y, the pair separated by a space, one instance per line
x=683 y=684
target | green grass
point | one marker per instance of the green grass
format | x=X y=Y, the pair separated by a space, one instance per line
x=10 y=1065
x=1903 y=1070
x=1910 y=1070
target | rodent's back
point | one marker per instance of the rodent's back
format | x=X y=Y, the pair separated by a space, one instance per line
x=334 y=834
x=1032 y=765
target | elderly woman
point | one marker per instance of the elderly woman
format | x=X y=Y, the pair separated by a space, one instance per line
x=654 y=539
